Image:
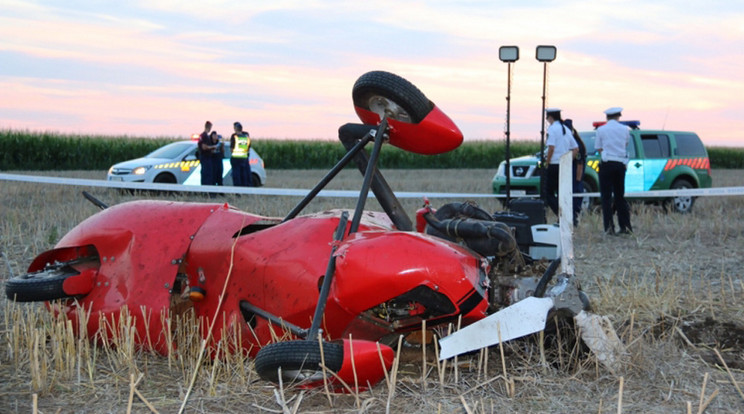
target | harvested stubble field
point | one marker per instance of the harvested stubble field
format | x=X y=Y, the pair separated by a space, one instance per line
x=673 y=291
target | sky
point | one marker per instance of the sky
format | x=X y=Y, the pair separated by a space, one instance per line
x=285 y=68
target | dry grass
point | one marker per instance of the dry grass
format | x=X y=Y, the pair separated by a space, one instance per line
x=673 y=292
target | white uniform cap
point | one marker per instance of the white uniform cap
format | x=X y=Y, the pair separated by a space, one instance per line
x=613 y=111
x=549 y=111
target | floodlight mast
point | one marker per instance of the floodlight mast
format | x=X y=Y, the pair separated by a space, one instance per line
x=544 y=54
x=508 y=54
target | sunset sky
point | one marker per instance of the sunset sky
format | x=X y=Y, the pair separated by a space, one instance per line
x=285 y=68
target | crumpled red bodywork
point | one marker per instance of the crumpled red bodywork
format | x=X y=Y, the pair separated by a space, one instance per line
x=139 y=247
x=278 y=267
x=261 y=277
x=435 y=134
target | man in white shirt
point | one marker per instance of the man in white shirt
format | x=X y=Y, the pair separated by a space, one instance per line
x=612 y=143
x=560 y=141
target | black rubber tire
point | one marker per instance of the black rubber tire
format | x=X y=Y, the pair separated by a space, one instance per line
x=542 y=285
x=682 y=205
x=39 y=286
x=165 y=178
x=379 y=89
x=255 y=180
x=299 y=360
x=587 y=203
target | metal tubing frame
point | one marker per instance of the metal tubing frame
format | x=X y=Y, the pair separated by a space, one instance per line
x=329 y=176
x=369 y=173
x=326 y=286
x=296 y=330
x=384 y=194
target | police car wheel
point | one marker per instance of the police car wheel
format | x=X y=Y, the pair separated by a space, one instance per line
x=588 y=202
x=255 y=180
x=165 y=178
x=681 y=204
x=389 y=95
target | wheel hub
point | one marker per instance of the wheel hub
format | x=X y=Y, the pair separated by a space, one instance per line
x=388 y=109
x=682 y=203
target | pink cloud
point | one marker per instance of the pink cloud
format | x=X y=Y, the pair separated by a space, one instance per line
x=283 y=98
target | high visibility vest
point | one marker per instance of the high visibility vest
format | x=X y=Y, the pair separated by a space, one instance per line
x=242 y=145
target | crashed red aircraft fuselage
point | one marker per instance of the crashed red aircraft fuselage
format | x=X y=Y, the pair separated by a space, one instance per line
x=354 y=283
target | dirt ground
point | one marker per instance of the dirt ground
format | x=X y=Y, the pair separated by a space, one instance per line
x=673 y=291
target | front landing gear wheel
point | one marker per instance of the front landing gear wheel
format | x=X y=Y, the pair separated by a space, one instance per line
x=299 y=360
x=388 y=95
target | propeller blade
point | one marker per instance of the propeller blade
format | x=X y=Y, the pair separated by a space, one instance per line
x=522 y=318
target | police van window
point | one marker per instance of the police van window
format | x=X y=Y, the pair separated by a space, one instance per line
x=689 y=145
x=631 y=148
x=588 y=138
x=655 y=146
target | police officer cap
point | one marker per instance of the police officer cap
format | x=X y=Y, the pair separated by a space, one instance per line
x=554 y=112
x=238 y=125
x=616 y=110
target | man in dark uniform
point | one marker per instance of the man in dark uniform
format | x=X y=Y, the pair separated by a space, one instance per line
x=205 y=155
x=218 y=153
x=578 y=165
x=612 y=143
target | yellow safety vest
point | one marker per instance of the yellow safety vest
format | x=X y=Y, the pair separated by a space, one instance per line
x=242 y=146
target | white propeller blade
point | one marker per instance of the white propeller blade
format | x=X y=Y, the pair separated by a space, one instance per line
x=522 y=318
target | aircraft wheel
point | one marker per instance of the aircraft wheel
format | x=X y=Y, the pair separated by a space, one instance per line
x=389 y=95
x=299 y=360
x=39 y=286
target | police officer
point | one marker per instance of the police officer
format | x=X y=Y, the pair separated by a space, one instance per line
x=240 y=143
x=578 y=165
x=560 y=141
x=205 y=155
x=218 y=153
x=612 y=143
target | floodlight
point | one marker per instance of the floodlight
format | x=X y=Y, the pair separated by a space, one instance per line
x=545 y=53
x=509 y=53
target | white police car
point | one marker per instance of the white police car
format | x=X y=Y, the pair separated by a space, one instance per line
x=177 y=163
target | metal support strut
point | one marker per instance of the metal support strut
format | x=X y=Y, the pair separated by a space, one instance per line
x=325 y=288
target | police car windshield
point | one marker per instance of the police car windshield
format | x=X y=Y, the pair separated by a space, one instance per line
x=170 y=151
